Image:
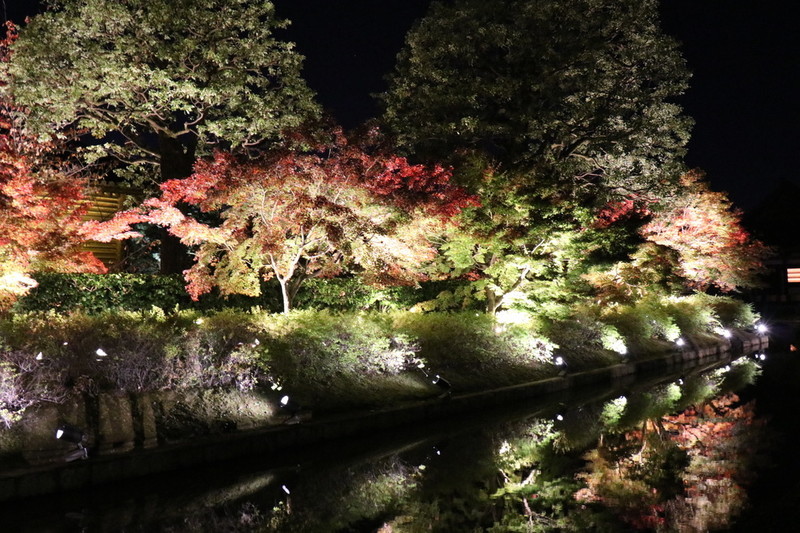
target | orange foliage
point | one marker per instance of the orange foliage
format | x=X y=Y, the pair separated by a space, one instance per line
x=294 y=215
x=40 y=206
x=706 y=231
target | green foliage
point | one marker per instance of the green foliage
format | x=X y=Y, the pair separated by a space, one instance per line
x=693 y=314
x=140 y=292
x=472 y=350
x=99 y=293
x=170 y=77
x=579 y=89
x=733 y=313
x=579 y=338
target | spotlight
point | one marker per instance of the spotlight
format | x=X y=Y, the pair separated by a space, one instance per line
x=285 y=489
x=560 y=417
x=292 y=410
x=680 y=341
x=443 y=384
x=76 y=436
x=761 y=328
x=561 y=364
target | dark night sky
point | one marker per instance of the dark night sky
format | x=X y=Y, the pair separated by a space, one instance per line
x=744 y=95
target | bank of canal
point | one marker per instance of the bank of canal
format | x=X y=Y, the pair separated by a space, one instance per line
x=98 y=470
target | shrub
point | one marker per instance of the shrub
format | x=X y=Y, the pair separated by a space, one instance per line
x=93 y=293
x=692 y=314
x=733 y=313
x=477 y=351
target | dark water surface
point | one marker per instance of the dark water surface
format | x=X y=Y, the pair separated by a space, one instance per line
x=694 y=451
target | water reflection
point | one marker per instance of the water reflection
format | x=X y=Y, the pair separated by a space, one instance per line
x=670 y=455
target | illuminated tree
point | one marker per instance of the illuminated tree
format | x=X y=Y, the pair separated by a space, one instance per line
x=693 y=239
x=41 y=204
x=549 y=109
x=705 y=230
x=294 y=215
x=157 y=81
x=574 y=92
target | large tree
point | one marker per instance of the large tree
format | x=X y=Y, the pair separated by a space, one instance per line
x=572 y=91
x=549 y=109
x=154 y=82
x=336 y=207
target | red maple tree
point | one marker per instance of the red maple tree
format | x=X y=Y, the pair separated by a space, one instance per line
x=337 y=207
x=705 y=230
x=41 y=202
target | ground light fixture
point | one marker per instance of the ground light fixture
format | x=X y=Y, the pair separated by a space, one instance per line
x=291 y=408
x=561 y=364
x=761 y=328
x=443 y=385
x=76 y=436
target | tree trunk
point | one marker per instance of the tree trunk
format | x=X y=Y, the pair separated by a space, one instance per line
x=287 y=301
x=177 y=161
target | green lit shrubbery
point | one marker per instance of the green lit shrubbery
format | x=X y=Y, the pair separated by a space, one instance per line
x=474 y=350
x=331 y=360
x=99 y=293
x=327 y=360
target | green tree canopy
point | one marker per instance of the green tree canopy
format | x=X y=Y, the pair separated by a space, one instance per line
x=157 y=80
x=570 y=91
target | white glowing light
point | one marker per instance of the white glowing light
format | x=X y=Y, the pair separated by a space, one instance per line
x=680 y=341
x=559 y=360
x=101 y=352
x=559 y=418
x=761 y=328
x=198 y=321
x=285 y=400
x=59 y=433
x=285 y=489
x=39 y=356
x=762 y=357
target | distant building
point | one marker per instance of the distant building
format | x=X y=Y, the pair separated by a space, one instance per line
x=776 y=222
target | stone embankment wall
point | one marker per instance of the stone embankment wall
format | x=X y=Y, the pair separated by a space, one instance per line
x=137 y=435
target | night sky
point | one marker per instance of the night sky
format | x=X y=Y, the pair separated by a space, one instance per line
x=744 y=95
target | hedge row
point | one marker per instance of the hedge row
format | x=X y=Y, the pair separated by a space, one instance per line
x=93 y=293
